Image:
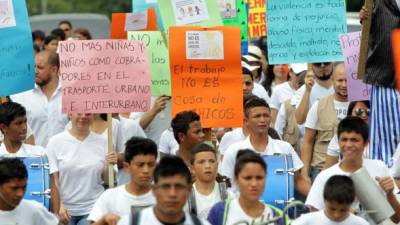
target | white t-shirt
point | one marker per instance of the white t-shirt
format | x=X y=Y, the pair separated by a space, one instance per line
x=312 y=217
x=317 y=92
x=334 y=149
x=375 y=168
x=204 y=203
x=282 y=92
x=119 y=201
x=161 y=122
x=168 y=144
x=230 y=138
x=395 y=168
x=28 y=213
x=24 y=151
x=312 y=116
x=260 y=92
x=44 y=116
x=147 y=217
x=273 y=147
x=236 y=214
x=80 y=165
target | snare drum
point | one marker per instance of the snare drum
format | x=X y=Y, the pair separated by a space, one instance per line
x=279 y=187
x=38 y=180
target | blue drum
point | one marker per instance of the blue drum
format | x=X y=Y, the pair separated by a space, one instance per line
x=279 y=187
x=38 y=188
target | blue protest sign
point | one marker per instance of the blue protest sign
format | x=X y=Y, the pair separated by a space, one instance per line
x=17 y=68
x=143 y=5
x=305 y=31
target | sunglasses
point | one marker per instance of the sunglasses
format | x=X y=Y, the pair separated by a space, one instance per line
x=360 y=112
x=322 y=63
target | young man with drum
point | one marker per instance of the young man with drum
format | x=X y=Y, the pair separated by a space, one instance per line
x=257 y=119
x=14 y=209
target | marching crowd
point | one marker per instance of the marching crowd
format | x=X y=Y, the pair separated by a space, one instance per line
x=173 y=171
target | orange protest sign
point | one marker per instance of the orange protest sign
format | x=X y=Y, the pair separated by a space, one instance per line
x=119 y=23
x=396 y=56
x=206 y=74
x=257 y=18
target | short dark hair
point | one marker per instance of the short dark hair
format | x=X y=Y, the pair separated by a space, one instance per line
x=254 y=102
x=339 y=189
x=202 y=147
x=65 y=22
x=353 y=124
x=139 y=146
x=170 y=166
x=58 y=33
x=180 y=123
x=245 y=156
x=12 y=168
x=49 y=38
x=38 y=34
x=353 y=104
x=9 y=111
x=246 y=71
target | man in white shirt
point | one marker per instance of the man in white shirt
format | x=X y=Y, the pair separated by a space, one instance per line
x=14 y=127
x=322 y=120
x=140 y=161
x=14 y=209
x=172 y=187
x=43 y=103
x=313 y=90
x=257 y=119
x=353 y=137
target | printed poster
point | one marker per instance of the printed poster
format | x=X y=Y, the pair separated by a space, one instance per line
x=205 y=45
x=227 y=8
x=7 y=17
x=189 y=11
x=136 y=21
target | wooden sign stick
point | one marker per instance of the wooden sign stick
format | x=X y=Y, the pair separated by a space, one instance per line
x=109 y=150
x=366 y=27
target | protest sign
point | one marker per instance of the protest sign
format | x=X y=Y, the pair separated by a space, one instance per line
x=356 y=89
x=396 y=55
x=190 y=12
x=104 y=76
x=237 y=18
x=143 y=5
x=17 y=67
x=158 y=58
x=207 y=84
x=257 y=18
x=121 y=23
x=305 y=31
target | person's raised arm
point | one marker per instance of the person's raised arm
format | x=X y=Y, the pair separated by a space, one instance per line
x=158 y=106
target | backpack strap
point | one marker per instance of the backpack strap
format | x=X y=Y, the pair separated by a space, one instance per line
x=195 y=219
x=192 y=203
x=222 y=190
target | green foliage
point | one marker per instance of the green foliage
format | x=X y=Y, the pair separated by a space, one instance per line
x=105 y=7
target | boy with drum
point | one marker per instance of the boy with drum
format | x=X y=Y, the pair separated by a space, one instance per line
x=14 y=209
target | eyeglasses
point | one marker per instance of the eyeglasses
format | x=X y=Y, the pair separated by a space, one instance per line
x=359 y=112
x=322 y=63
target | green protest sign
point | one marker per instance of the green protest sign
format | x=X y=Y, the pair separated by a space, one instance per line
x=158 y=59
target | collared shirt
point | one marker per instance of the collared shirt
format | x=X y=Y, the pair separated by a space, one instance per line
x=44 y=116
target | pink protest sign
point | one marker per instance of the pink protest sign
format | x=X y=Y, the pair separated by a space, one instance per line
x=357 y=89
x=104 y=76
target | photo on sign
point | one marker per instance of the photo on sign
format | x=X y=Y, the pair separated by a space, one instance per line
x=205 y=45
x=7 y=17
x=136 y=21
x=227 y=8
x=189 y=11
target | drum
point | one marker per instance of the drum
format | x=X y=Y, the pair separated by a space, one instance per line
x=38 y=188
x=279 y=187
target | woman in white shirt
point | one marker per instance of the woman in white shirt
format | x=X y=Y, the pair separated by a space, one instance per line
x=250 y=175
x=77 y=159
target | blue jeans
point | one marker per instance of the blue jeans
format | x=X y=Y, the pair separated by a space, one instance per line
x=79 y=220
